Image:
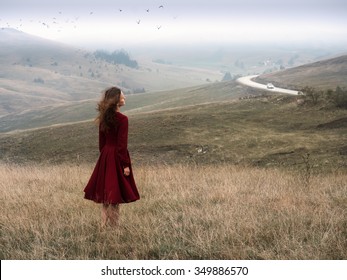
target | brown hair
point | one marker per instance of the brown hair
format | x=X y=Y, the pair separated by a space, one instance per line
x=107 y=108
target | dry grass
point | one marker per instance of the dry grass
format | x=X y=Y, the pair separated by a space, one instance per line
x=185 y=212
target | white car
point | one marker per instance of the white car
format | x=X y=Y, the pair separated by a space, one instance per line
x=270 y=86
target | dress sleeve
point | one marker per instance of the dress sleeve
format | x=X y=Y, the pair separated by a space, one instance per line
x=102 y=139
x=123 y=143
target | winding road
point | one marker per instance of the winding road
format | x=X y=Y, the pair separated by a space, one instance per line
x=247 y=80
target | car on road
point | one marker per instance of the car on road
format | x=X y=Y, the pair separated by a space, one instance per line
x=270 y=86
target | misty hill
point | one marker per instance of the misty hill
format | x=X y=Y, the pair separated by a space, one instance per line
x=324 y=74
x=136 y=104
x=141 y=103
x=37 y=72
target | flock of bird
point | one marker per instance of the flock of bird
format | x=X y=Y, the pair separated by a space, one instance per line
x=54 y=22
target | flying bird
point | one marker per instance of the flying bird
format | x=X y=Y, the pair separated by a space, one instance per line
x=147 y=10
x=161 y=6
x=158 y=27
x=120 y=10
x=138 y=21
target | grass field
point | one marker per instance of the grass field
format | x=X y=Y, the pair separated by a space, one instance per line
x=267 y=131
x=224 y=172
x=185 y=212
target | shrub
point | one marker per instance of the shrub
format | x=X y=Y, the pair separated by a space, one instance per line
x=340 y=97
x=39 y=81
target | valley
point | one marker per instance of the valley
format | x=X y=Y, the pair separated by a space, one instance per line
x=225 y=171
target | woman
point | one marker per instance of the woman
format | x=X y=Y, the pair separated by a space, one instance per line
x=112 y=181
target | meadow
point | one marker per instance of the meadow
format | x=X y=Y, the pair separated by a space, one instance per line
x=224 y=171
x=185 y=212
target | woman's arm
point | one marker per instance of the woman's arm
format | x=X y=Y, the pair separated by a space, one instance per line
x=123 y=143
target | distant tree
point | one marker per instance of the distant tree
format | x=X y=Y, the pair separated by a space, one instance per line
x=39 y=81
x=227 y=77
x=237 y=76
x=162 y=61
x=139 y=90
x=279 y=62
x=124 y=84
x=116 y=57
x=239 y=64
x=312 y=94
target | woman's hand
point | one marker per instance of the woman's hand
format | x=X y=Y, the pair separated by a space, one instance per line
x=126 y=171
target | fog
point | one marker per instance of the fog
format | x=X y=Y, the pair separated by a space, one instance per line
x=151 y=23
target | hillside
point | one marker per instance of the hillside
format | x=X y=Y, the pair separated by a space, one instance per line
x=37 y=72
x=265 y=131
x=136 y=103
x=324 y=74
x=209 y=124
x=74 y=98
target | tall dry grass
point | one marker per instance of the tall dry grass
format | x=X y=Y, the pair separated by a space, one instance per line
x=185 y=212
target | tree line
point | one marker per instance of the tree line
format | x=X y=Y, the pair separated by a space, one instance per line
x=116 y=57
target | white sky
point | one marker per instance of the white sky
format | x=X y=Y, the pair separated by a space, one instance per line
x=101 y=23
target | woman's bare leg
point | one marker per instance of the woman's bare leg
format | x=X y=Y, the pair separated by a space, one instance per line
x=110 y=215
x=113 y=211
x=104 y=216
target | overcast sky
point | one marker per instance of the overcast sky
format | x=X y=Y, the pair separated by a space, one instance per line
x=122 y=22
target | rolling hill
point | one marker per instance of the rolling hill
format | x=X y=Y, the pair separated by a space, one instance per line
x=136 y=103
x=324 y=74
x=266 y=131
x=204 y=124
x=36 y=72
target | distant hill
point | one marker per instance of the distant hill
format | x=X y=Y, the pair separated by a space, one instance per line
x=136 y=103
x=37 y=72
x=324 y=74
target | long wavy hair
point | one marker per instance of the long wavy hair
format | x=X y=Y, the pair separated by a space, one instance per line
x=107 y=108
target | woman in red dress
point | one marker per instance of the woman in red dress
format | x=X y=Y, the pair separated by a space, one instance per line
x=112 y=181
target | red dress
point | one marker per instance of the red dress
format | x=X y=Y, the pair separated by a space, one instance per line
x=108 y=184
